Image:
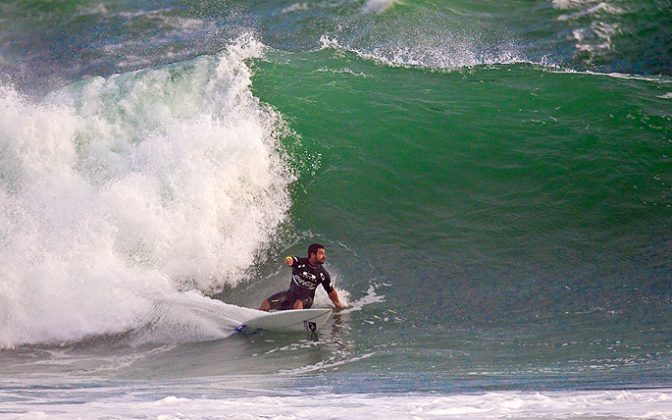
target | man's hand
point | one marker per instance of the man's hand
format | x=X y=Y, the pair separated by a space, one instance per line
x=333 y=295
x=289 y=261
x=339 y=305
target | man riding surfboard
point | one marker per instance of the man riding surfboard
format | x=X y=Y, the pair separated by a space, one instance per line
x=307 y=274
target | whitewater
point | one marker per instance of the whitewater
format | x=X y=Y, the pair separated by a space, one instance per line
x=97 y=195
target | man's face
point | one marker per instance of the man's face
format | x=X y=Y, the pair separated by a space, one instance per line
x=319 y=257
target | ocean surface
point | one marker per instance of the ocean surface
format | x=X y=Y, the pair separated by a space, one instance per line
x=492 y=182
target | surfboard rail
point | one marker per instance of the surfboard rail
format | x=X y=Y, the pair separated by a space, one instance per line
x=291 y=320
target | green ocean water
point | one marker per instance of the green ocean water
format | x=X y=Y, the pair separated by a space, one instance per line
x=502 y=179
x=513 y=215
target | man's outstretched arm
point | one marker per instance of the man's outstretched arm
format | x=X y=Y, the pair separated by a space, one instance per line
x=333 y=295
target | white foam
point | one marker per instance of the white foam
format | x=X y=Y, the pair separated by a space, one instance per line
x=174 y=402
x=333 y=363
x=453 y=55
x=117 y=192
x=92 y=10
x=378 y=6
x=590 y=10
x=653 y=79
x=371 y=297
x=322 y=300
x=194 y=317
x=296 y=7
x=593 y=35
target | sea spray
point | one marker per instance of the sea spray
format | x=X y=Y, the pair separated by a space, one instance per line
x=117 y=192
x=378 y=6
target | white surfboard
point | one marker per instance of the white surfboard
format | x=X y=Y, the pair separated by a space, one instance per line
x=310 y=320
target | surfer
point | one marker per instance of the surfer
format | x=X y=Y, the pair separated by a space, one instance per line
x=307 y=274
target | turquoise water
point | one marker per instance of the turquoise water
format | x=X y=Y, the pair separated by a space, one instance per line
x=492 y=182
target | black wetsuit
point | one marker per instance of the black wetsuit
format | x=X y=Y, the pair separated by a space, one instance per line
x=305 y=279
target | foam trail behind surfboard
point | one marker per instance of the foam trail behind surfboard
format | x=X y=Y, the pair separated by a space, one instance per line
x=190 y=316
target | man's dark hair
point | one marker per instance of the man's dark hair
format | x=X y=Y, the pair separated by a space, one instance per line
x=312 y=249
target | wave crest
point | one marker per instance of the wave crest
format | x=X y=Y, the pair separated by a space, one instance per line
x=118 y=191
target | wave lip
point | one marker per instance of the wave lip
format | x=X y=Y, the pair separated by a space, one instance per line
x=119 y=191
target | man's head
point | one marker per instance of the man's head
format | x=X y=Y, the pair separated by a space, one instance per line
x=316 y=254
